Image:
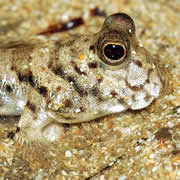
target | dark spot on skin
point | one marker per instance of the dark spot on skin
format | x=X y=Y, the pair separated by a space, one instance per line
x=96 y=92
x=73 y=63
x=31 y=79
x=77 y=69
x=100 y=79
x=70 y=79
x=114 y=94
x=43 y=90
x=81 y=91
x=144 y=139
x=61 y=27
x=147 y=98
x=69 y=43
x=11 y=134
x=9 y=89
x=92 y=65
x=31 y=106
x=163 y=133
x=150 y=71
x=30 y=59
x=139 y=63
x=27 y=78
x=134 y=88
x=21 y=77
x=68 y=103
x=147 y=81
x=92 y=48
x=175 y=109
x=133 y=97
x=82 y=109
x=86 y=40
x=100 y=99
x=98 y=12
x=121 y=101
x=58 y=88
x=58 y=71
x=48 y=102
x=49 y=65
x=12 y=68
x=17 y=129
x=35 y=117
x=142 y=33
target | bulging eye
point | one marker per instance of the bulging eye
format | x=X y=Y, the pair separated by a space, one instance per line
x=113 y=46
x=113 y=53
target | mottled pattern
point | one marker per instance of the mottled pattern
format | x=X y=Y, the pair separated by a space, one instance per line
x=54 y=82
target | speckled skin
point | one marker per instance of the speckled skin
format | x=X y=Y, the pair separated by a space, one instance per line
x=72 y=81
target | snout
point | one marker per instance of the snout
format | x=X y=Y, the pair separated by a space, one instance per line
x=144 y=84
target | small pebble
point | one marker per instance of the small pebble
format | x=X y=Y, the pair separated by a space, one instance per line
x=68 y=154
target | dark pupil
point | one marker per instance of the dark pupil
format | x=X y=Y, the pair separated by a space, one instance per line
x=114 y=51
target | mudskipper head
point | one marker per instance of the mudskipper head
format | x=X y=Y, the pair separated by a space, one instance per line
x=130 y=69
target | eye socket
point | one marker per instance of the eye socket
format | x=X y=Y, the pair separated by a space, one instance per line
x=113 y=53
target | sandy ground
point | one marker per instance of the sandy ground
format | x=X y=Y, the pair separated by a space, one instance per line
x=132 y=145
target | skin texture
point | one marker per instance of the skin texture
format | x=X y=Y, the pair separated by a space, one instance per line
x=73 y=81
